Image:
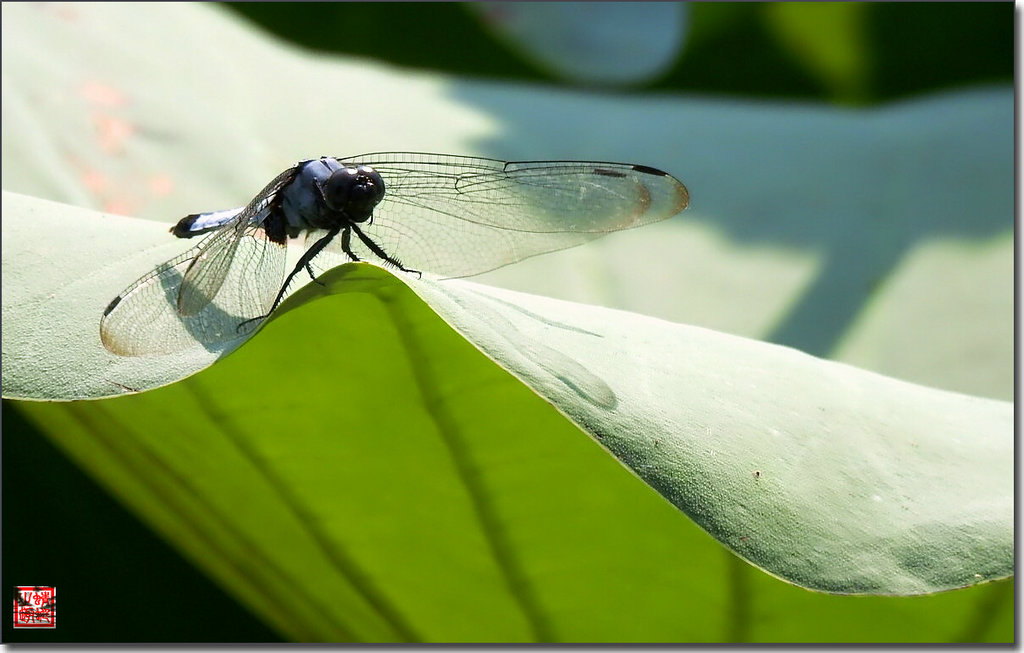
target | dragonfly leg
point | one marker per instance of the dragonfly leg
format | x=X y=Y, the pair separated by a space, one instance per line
x=376 y=249
x=346 y=243
x=302 y=264
x=309 y=271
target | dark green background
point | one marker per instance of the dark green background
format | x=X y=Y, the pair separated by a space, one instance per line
x=731 y=49
x=117 y=582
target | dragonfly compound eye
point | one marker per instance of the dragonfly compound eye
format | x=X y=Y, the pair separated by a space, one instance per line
x=354 y=192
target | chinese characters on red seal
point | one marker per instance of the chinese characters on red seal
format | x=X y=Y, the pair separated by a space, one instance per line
x=35 y=607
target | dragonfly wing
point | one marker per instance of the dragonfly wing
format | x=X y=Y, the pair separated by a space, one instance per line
x=268 y=199
x=144 y=319
x=214 y=293
x=460 y=216
x=206 y=275
x=422 y=242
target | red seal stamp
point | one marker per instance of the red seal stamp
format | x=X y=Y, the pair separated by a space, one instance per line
x=35 y=607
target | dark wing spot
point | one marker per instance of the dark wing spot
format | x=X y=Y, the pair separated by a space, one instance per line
x=608 y=173
x=112 y=305
x=650 y=171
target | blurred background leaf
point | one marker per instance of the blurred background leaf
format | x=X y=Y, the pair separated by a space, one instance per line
x=846 y=52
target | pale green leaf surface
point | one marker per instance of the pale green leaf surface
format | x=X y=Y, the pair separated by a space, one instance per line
x=55 y=291
x=793 y=462
x=808 y=226
x=821 y=473
x=802 y=216
x=530 y=530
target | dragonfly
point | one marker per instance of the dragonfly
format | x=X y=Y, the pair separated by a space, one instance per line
x=447 y=215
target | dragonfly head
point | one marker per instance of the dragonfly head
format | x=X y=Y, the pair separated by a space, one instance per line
x=354 y=192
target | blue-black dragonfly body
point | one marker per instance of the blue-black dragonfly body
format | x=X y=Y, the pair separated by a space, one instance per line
x=448 y=215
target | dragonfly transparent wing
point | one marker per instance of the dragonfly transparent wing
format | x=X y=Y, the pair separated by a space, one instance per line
x=207 y=271
x=209 y=267
x=459 y=216
x=144 y=319
x=211 y=294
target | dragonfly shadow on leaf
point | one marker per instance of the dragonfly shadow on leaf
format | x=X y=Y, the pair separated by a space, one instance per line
x=573 y=375
x=162 y=329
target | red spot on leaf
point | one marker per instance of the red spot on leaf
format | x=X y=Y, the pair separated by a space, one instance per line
x=112 y=132
x=65 y=12
x=94 y=180
x=102 y=95
x=161 y=185
x=118 y=206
